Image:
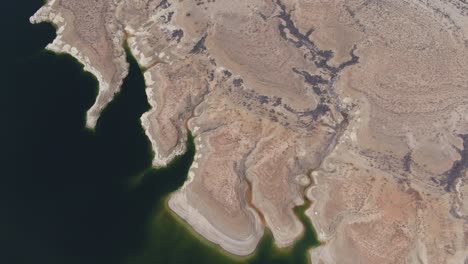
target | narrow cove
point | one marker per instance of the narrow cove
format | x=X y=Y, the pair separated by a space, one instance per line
x=81 y=196
x=170 y=240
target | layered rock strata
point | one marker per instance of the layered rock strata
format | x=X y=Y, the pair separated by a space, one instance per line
x=359 y=106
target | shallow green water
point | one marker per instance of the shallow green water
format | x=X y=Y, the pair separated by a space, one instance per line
x=71 y=195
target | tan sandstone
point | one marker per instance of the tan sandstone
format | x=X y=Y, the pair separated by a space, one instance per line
x=358 y=106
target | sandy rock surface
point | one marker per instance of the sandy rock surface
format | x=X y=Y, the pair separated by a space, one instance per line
x=359 y=106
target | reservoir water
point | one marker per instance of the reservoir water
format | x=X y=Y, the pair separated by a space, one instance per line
x=73 y=195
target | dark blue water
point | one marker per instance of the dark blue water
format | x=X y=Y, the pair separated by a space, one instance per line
x=68 y=194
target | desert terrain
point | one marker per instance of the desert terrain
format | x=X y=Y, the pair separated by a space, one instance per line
x=359 y=106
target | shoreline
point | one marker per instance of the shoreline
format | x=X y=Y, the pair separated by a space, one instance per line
x=266 y=238
x=198 y=223
x=177 y=201
x=179 y=204
x=46 y=15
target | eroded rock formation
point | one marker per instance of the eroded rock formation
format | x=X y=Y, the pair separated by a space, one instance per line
x=359 y=106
